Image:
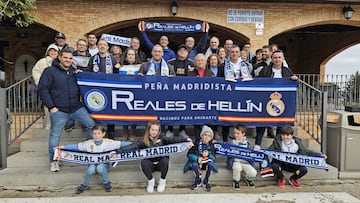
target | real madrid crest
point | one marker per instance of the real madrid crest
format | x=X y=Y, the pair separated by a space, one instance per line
x=95 y=100
x=275 y=107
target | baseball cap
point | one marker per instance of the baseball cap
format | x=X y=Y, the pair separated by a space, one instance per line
x=51 y=46
x=182 y=46
x=60 y=35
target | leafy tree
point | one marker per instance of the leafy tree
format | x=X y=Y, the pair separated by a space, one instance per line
x=352 y=88
x=15 y=12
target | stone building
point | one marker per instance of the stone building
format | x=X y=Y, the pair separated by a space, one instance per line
x=310 y=32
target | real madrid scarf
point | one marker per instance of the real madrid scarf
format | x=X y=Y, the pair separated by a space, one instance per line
x=246 y=154
x=312 y=161
x=118 y=40
x=154 y=67
x=232 y=70
x=97 y=67
x=79 y=157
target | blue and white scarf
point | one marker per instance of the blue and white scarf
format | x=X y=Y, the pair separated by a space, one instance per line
x=153 y=68
x=203 y=147
x=312 y=161
x=237 y=70
x=80 y=157
x=108 y=64
x=209 y=51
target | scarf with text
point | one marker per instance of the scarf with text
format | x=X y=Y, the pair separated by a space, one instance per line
x=79 y=157
x=153 y=67
x=97 y=67
x=233 y=151
x=236 y=70
x=113 y=39
x=247 y=154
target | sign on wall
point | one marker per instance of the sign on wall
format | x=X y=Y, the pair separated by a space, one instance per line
x=245 y=16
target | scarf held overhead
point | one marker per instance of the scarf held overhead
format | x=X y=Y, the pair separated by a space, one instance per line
x=79 y=157
x=113 y=39
x=180 y=27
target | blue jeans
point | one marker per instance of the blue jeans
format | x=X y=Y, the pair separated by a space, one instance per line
x=58 y=121
x=101 y=169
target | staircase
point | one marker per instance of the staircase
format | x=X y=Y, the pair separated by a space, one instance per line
x=30 y=167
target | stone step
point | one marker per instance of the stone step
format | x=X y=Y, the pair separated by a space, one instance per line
x=126 y=174
x=30 y=167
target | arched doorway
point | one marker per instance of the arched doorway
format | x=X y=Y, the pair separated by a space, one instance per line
x=306 y=48
x=23 y=46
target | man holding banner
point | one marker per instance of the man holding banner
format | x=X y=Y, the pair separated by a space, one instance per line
x=104 y=62
x=157 y=65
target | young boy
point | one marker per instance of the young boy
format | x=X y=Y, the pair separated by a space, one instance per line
x=288 y=143
x=202 y=157
x=97 y=144
x=239 y=165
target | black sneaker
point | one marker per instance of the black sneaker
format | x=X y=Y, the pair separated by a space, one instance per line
x=249 y=183
x=206 y=186
x=196 y=185
x=108 y=187
x=81 y=189
x=69 y=129
x=236 y=185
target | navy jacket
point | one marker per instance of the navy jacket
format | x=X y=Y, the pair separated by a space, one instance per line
x=58 y=88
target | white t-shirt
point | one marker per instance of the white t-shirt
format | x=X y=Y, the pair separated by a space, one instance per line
x=277 y=73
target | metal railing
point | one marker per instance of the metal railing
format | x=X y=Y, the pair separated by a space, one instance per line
x=20 y=107
x=317 y=95
x=311 y=108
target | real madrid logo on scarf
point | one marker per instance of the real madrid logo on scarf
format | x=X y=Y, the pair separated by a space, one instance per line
x=97 y=66
x=153 y=68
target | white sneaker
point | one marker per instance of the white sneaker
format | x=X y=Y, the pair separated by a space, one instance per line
x=150 y=185
x=54 y=166
x=183 y=134
x=169 y=134
x=161 y=186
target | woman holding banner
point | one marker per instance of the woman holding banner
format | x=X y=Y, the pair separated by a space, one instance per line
x=129 y=65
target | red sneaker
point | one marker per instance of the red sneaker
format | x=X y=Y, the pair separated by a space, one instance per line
x=281 y=182
x=294 y=183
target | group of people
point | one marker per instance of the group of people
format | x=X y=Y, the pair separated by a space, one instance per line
x=55 y=76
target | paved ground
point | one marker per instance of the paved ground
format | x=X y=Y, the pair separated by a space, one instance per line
x=311 y=191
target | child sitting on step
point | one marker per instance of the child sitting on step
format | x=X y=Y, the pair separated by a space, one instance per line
x=202 y=157
x=97 y=144
x=153 y=138
x=239 y=165
x=286 y=142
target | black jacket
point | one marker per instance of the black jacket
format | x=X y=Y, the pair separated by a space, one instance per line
x=267 y=72
x=58 y=88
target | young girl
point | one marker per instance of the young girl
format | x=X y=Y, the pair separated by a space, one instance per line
x=288 y=143
x=97 y=144
x=152 y=138
x=239 y=165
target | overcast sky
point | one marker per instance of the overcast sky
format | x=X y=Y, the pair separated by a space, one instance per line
x=345 y=63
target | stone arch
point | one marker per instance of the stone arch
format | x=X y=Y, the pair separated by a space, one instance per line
x=31 y=41
x=327 y=59
x=308 y=46
x=125 y=28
